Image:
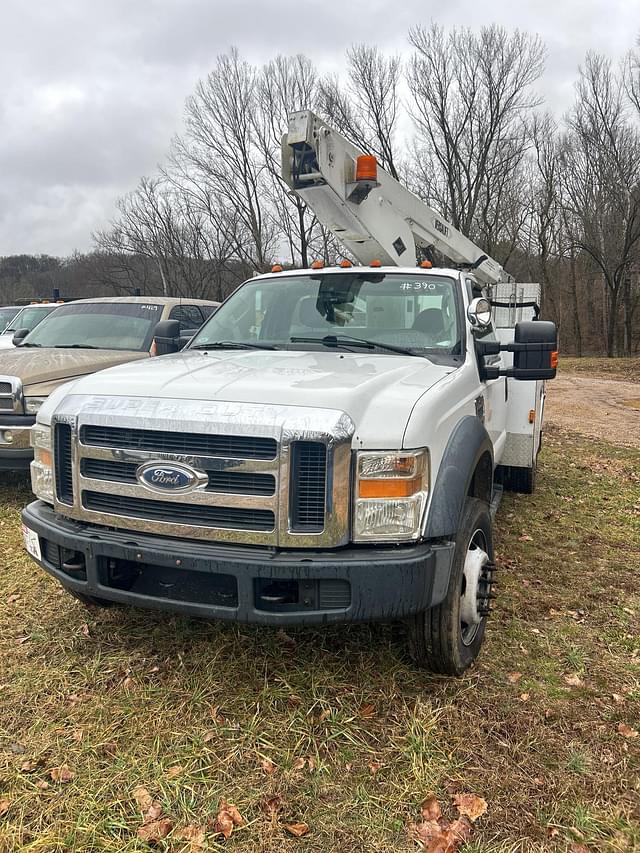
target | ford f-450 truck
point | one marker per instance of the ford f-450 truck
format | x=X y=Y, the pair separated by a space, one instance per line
x=327 y=448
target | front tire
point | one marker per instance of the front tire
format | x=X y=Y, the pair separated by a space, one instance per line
x=446 y=639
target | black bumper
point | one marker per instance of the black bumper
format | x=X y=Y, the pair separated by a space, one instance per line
x=256 y=585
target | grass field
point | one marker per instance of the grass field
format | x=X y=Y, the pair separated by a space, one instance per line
x=333 y=728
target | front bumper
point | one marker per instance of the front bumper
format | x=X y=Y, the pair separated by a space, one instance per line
x=244 y=584
x=15 y=450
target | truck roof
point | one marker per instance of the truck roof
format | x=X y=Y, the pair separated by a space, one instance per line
x=388 y=270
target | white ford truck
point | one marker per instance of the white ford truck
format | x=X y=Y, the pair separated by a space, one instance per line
x=327 y=448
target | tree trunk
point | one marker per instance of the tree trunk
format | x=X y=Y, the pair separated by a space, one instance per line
x=576 y=308
x=611 y=325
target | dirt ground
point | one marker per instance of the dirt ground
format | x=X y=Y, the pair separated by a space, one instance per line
x=595 y=407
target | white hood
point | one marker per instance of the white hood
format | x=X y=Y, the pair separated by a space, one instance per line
x=377 y=391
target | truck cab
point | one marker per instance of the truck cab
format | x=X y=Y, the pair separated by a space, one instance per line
x=325 y=449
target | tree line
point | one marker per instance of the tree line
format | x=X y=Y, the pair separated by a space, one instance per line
x=459 y=119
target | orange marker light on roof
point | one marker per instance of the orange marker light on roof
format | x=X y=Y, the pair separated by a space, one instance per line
x=366 y=168
x=276 y=268
x=345 y=264
x=426 y=265
x=375 y=263
x=317 y=265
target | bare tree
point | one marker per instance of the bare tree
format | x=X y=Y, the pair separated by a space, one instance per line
x=366 y=108
x=218 y=161
x=471 y=93
x=602 y=183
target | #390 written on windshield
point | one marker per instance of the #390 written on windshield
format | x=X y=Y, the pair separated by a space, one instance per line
x=419 y=285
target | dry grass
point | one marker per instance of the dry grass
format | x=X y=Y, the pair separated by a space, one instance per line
x=608 y=368
x=122 y=697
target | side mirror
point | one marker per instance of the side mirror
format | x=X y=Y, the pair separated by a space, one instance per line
x=19 y=335
x=479 y=313
x=535 y=353
x=166 y=337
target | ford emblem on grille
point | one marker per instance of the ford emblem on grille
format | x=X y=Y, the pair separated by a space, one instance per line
x=170 y=477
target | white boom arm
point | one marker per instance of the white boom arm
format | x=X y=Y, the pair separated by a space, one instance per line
x=375 y=219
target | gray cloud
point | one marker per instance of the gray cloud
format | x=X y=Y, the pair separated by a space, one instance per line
x=93 y=91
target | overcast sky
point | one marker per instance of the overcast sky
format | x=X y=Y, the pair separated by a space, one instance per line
x=93 y=90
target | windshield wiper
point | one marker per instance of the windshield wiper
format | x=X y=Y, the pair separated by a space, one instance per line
x=29 y=345
x=75 y=346
x=232 y=345
x=347 y=340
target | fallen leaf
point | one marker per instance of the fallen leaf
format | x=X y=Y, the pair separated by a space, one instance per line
x=374 y=766
x=217 y=716
x=268 y=766
x=524 y=697
x=573 y=680
x=143 y=798
x=618 y=698
x=84 y=630
x=13 y=598
x=28 y=766
x=20 y=640
x=109 y=749
x=525 y=538
x=42 y=785
x=271 y=806
x=311 y=764
x=62 y=774
x=425 y=831
x=5 y=805
x=176 y=770
x=626 y=731
x=228 y=816
x=297 y=829
x=77 y=735
x=155 y=830
x=367 y=710
x=514 y=677
x=469 y=805
x=128 y=682
x=553 y=832
x=299 y=764
x=209 y=736
x=430 y=808
x=192 y=834
x=323 y=715
x=578 y=848
x=538 y=780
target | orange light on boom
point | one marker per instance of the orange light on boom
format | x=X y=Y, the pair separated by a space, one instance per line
x=366 y=168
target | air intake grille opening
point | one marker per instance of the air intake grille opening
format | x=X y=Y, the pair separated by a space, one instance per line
x=190 y=444
x=308 y=486
x=180 y=513
x=62 y=458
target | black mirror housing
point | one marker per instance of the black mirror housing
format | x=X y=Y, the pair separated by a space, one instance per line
x=166 y=337
x=535 y=353
x=18 y=336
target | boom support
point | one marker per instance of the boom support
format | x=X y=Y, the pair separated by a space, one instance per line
x=374 y=218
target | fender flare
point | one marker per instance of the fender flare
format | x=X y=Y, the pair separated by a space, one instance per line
x=468 y=443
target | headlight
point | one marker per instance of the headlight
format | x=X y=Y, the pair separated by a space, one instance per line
x=32 y=404
x=391 y=494
x=41 y=467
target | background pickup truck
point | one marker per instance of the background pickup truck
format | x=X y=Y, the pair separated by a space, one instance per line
x=75 y=339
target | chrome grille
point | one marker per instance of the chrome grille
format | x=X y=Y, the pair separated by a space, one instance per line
x=163 y=441
x=276 y=476
x=168 y=511
x=233 y=482
x=11 y=395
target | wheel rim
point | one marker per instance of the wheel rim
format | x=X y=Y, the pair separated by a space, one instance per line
x=474 y=578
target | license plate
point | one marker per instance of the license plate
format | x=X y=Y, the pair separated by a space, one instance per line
x=31 y=542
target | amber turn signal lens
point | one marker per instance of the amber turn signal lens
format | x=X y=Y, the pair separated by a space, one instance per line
x=554 y=359
x=366 y=168
x=532 y=416
x=389 y=488
x=345 y=264
x=44 y=457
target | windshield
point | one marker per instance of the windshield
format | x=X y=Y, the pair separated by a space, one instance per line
x=100 y=325
x=415 y=312
x=29 y=317
x=6 y=316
